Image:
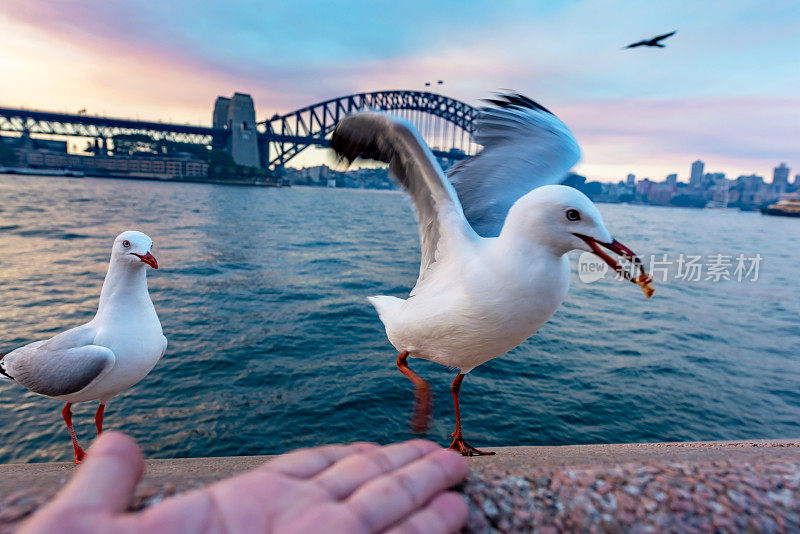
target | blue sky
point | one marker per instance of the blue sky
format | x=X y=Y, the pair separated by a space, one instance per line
x=724 y=89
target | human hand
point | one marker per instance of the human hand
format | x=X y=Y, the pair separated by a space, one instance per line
x=358 y=488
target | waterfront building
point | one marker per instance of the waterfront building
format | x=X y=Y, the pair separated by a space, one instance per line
x=750 y=182
x=643 y=187
x=139 y=166
x=660 y=193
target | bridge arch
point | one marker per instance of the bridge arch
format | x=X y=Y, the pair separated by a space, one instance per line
x=446 y=124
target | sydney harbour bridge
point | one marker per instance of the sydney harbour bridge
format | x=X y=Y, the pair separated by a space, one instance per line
x=446 y=124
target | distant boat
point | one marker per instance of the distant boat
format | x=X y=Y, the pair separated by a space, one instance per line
x=786 y=207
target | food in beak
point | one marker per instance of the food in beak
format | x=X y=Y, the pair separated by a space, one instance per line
x=643 y=280
x=148 y=258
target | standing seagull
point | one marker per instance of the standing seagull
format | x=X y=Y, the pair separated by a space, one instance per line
x=655 y=41
x=105 y=356
x=493 y=272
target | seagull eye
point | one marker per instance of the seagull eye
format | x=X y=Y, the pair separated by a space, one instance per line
x=126 y=244
x=573 y=215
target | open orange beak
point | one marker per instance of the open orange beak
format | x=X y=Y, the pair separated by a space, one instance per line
x=643 y=280
x=148 y=258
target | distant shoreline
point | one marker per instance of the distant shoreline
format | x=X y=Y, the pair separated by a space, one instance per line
x=241 y=183
x=197 y=180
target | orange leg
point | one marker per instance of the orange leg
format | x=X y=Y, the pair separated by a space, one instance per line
x=98 y=418
x=422 y=395
x=458 y=440
x=66 y=413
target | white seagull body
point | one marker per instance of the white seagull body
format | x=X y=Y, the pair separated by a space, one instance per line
x=480 y=301
x=107 y=355
x=495 y=270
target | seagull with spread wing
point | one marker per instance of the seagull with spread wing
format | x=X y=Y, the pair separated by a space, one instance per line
x=654 y=42
x=494 y=238
x=107 y=355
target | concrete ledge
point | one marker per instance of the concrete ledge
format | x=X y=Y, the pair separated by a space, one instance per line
x=712 y=486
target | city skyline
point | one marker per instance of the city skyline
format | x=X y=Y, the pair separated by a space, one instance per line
x=642 y=111
x=698 y=169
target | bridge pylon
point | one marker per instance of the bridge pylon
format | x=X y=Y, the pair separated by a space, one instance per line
x=238 y=116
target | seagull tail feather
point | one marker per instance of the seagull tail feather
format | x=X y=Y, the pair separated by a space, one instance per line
x=385 y=306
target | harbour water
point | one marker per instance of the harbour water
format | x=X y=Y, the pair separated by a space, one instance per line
x=272 y=344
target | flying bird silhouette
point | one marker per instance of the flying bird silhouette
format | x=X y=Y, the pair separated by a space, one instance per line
x=655 y=41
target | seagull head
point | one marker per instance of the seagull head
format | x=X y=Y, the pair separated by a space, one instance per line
x=563 y=219
x=134 y=247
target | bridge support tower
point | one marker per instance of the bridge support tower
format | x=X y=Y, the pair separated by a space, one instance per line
x=238 y=115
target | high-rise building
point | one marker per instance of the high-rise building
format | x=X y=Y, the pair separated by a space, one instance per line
x=780 y=177
x=672 y=179
x=631 y=180
x=696 y=176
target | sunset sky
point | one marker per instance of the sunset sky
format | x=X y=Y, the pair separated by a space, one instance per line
x=725 y=89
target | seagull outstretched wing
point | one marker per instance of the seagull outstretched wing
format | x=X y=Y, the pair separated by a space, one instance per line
x=391 y=140
x=525 y=147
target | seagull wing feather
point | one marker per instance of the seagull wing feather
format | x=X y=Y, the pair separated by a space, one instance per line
x=525 y=147
x=64 y=364
x=391 y=140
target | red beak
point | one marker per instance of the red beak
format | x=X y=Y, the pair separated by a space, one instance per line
x=148 y=258
x=643 y=280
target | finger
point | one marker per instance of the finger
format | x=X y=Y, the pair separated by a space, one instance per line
x=306 y=463
x=386 y=499
x=108 y=476
x=248 y=501
x=446 y=513
x=345 y=476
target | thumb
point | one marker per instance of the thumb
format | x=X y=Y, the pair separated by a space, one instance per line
x=108 y=476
